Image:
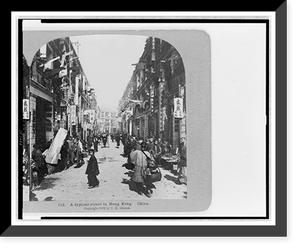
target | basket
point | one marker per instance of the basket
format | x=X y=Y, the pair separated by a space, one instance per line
x=155 y=175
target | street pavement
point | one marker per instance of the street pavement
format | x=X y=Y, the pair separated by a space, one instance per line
x=115 y=181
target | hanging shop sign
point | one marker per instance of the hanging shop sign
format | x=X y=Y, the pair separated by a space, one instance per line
x=69 y=116
x=73 y=114
x=152 y=99
x=178 y=107
x=183 y=130
x=26 y=109
x=92 y=116
x=76 y=90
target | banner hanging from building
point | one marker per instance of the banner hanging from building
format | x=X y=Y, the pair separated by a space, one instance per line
x=178 y=107
x=76 y=90
x=52 y=154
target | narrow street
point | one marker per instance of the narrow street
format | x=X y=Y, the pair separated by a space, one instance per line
x=115 y=181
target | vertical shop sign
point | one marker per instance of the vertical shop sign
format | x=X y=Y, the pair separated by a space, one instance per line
x=73 y=114
x=69 y=116
x=178 y=107
x=146 y=127
x=183 y=130
x=26 y=109
x=160 y=107
x=152 y=99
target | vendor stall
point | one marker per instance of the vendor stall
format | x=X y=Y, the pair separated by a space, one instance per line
x=177 y=164
x=171 y=161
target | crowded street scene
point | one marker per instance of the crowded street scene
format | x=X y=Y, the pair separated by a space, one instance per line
x=86 y=138
x=114 y=178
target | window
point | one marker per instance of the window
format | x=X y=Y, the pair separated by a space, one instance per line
x=48 y=125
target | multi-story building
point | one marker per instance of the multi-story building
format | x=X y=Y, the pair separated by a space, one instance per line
x=57 y=93
x=107 y=119
x=147 y=106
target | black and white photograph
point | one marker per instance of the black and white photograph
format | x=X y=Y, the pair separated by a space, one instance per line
x=149 y=124
x=105 y=119
x=137 y=120
x=111 y=120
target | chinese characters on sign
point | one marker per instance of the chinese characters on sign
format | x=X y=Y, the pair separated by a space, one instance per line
x=26 y=109
x=152 y=99
x=178 y=107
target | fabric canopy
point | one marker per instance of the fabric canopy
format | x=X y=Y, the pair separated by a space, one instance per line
x=52 y=153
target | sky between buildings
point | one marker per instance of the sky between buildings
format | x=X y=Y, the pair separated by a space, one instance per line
x=107 y=62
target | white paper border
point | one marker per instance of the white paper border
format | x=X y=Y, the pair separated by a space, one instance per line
x=14 y=138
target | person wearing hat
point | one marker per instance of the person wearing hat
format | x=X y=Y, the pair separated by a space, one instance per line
x=92 y=170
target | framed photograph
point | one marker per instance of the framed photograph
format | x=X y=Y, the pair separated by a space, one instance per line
x=132 y=121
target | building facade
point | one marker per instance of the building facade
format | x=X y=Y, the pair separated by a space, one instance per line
x=154 y=103
x=107 y=119
x=58 y=93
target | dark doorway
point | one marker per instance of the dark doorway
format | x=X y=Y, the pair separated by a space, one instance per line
x=41 y=108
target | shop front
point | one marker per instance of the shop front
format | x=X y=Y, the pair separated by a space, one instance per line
x=42 y=120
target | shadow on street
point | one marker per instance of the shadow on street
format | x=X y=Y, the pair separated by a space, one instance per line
x=47 y=183
x=131 y=184
x=172 y=178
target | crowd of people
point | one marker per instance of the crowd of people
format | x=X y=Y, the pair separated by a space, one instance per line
x=138 y=151
x=156 y=147
x=72 y=152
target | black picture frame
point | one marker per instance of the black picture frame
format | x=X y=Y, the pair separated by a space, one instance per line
x=277 y=230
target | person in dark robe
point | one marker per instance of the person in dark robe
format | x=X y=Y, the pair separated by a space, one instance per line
x=117 y=137
x=40 y=164
x=96 y=144
x=90 y=142
x=92 y=170
x=123 y=139
x=104 y=139
x=64 y=152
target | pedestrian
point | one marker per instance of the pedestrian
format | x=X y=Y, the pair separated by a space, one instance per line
x=104 y=139
x=112 y=137
x=39 y=161
x=96 y=144
x=64 y=152
x=150 y=146
x=90 y=142
x=79 y=150
x=123 y=139
x=92 y=170
x=118 y=139
x=157 y=152
x=71 y=151
x=139 y=145
x=139 y=159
